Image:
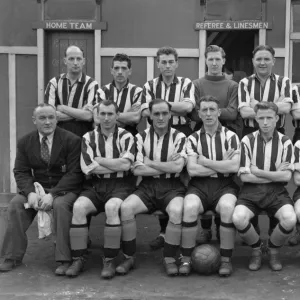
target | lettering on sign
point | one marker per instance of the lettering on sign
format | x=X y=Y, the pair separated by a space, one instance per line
x=68 y=25
x=232 y=25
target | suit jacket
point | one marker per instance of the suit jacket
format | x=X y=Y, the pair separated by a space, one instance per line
x=62 y=174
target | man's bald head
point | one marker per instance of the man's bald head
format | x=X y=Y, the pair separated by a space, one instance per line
x=73 y=48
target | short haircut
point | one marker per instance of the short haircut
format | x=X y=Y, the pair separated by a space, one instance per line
x=158 y=101
x=121 y=57
x=208 y=98
x=75 y=47
x=42 y=105
x=264 y=105
x=264 y=47
x=214 y=48
x=106 y=103
x=167 y=51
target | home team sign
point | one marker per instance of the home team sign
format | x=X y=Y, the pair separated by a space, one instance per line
x=70 y=25
x=232 y=25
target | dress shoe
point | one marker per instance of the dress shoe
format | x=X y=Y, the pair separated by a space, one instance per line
x=109 y=269
x=76 y=267
x=126 y=266
x=62 y=268
x=9 y=264
x=157 y=243
x=225 y=269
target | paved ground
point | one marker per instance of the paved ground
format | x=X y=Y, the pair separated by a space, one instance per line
x=35 y=280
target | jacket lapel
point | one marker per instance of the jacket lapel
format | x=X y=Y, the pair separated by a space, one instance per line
x=56 y=146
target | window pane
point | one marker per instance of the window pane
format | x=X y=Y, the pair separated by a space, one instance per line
x=234 y=10
x=70 y=10
x=296 y=18
x=296 y=62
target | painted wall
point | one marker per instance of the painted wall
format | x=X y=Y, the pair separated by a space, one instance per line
x=16 y=18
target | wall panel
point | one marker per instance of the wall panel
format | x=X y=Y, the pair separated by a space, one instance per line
x=26 y=92
x=155 y=23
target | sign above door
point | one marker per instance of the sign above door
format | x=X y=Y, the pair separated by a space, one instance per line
x=232 y=25
x=70 y=25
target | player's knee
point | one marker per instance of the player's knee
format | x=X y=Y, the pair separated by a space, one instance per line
x=112 y=208
x=127 y=209
x=175 y=214
x=288 y=220
x=239 y=219
x=191 y=210
x=226 y=209
x=79 y=209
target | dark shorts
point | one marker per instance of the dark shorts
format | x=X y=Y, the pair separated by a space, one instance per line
x=101 y=190
x=269 y=197
x=210 y=190
x=296 y=195
x=157 y=193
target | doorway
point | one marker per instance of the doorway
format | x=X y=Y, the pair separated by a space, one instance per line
x=58 y=42
x=238 y=46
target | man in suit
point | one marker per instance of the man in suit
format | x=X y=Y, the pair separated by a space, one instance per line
x=50 y=156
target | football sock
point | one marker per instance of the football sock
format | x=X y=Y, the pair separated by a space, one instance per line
x=227 y=236
x=279 y=236
x=188 y=238
x=172 y=239
x=78 y=239
x=250 y=236
x=112 y=236
x=129 y=237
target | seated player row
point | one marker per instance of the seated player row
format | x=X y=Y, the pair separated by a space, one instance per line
x=212 y=154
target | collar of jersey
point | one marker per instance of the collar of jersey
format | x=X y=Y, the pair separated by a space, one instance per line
x=124 y=87
x=215 y=78
x=219 y=128
x=175 y=79
x=81 y=79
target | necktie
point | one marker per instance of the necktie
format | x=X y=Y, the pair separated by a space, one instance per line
x=45 y=154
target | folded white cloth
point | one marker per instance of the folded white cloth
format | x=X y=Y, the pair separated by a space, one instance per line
x=44 y=218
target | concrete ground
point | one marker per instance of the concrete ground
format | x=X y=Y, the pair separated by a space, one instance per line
x=35 y=278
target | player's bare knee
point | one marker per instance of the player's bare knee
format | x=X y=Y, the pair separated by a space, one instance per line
x=127 y=210
x=288 y=220
x=240 y=219
x=175 y=214
x=79 y=209
x=226 y=210
x=191 y=210
x=112 y=208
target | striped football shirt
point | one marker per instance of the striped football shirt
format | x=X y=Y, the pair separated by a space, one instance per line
x=129 y=95
x=212 y=147
x=265 y=155
x=120 y=144
x=277 y=89
x=150 y=144
x=181 y=89
x=82 y=94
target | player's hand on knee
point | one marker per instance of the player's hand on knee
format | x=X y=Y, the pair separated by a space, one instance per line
x=46 y=202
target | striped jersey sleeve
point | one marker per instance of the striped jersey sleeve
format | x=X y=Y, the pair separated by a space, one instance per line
x=296 y=97
x=127 y=145
x=88 y=152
